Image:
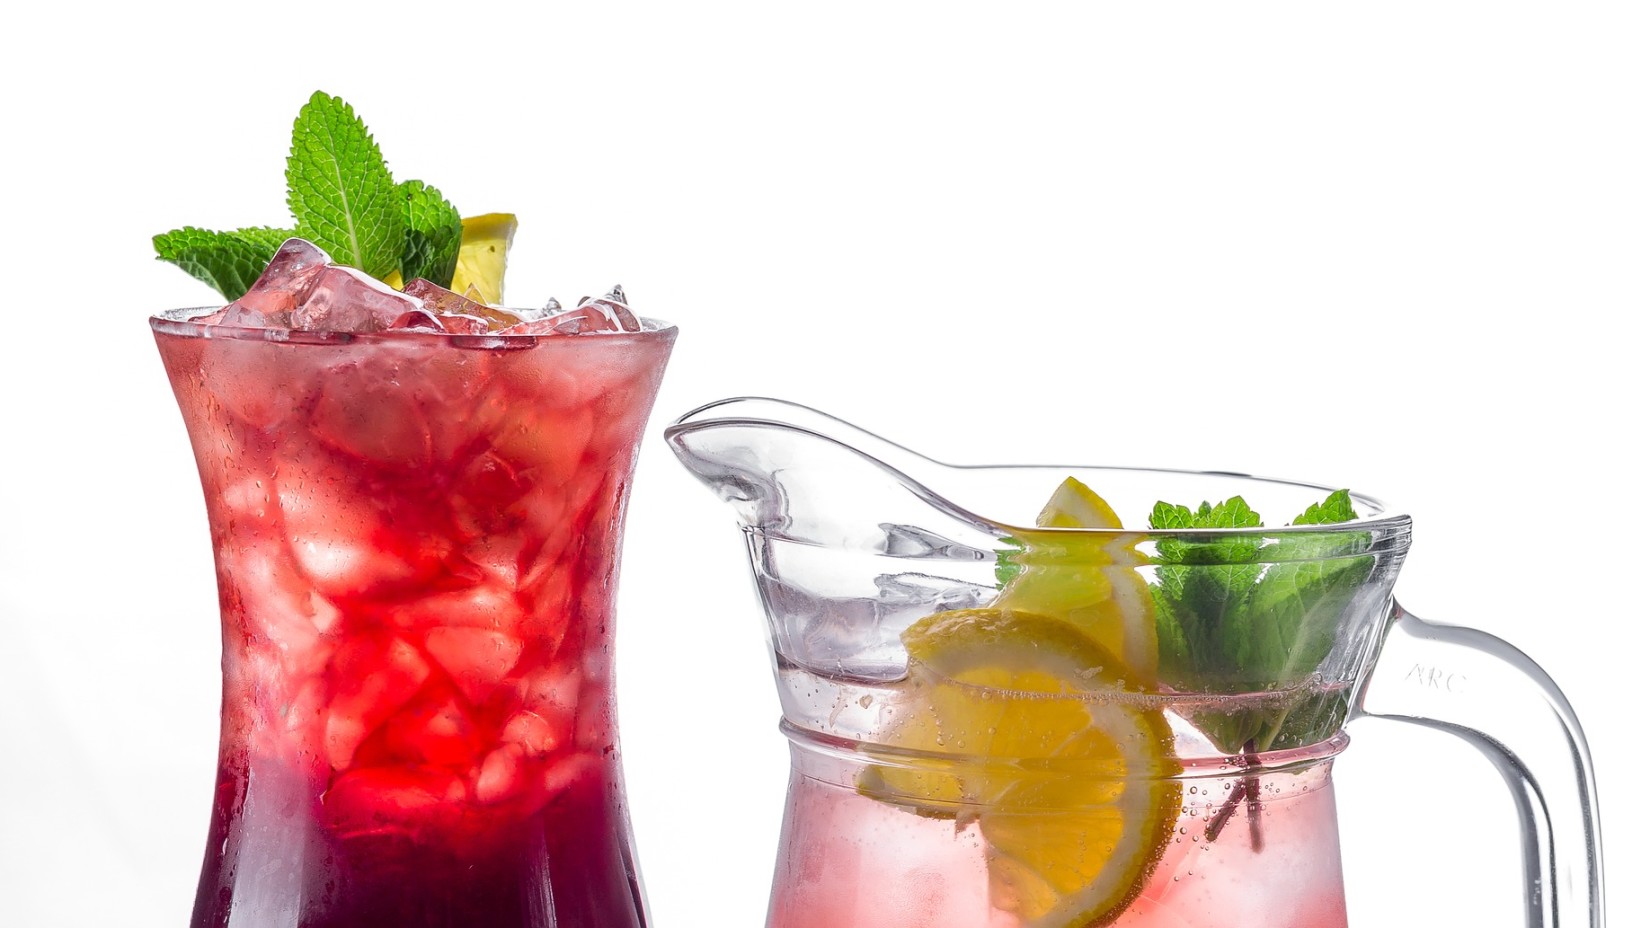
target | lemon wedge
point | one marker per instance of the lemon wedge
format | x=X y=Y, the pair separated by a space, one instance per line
x=1093 y=583
x=1042 y=735
x=481 y=255
x=1074 y=505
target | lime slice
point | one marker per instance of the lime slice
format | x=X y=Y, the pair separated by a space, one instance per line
x=1067 y=769
x=481 y=255
x=1093 y=583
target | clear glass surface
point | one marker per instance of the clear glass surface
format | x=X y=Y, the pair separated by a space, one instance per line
x=904 y=809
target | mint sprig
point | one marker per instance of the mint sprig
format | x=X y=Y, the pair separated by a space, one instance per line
x=229 y=262
x=433 y=228
x=344 y=199
x=1194 y=600
x=1287 y=626
x=340 y=190
x=1239 y=612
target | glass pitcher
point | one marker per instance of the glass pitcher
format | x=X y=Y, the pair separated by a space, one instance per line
x=416 y=540
x=1007 y=711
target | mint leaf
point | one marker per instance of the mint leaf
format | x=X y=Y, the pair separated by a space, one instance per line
x=1288 y=623
x=433 y=227
x=1233 y=513
x=1236 y=613
x=1202 y=581
x=340 y=190
x=229 y=262
x=1165 y=515
x=1008 y=566
x=1337 y=508
x=1174 y=651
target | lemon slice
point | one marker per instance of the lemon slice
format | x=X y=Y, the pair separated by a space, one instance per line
x=1031 y=726
x=1093 y=583
x=481 y=255
x=1074 y=505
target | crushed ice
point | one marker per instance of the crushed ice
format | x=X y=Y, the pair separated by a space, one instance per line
x=302 y=289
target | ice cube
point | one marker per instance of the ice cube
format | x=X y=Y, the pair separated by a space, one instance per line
x=450 y=323
x=349 y=542
x=384 y=800
x=236 y=315
x=464 y=324
x=371 y=678
x=581 y=321
x=610 y=313
x=278 y=608
x=484 y=605
x=445 y=303
x=929 y=594
x=567 y=771
x=436 y=298
x=551 y=693
x=343 y=299
x=501 y=774
x=302 y=715
x=618 y=307
x=536 y=734
x=434 y=729
x=418 y=319
x=916 y=542
x=614 y=310
x=280 y=288
x=477 y=659
x=484 y=488
x=372 y=410
x=526 y=436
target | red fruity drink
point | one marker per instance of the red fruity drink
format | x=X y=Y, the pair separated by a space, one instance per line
x=416 y=536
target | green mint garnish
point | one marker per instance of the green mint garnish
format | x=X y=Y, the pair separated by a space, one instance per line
x=1337 y=508
x=230 y=262
x=433 y=227
x=1242 y=613
x=340 y=190
x=344 y=200
x=1193 y=602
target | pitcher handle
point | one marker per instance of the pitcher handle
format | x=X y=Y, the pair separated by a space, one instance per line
x=1485 y=690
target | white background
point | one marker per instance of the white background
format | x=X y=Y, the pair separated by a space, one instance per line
x=1398 y=246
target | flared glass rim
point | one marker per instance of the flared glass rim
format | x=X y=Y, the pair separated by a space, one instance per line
x=1390 y=527
x=181 y=322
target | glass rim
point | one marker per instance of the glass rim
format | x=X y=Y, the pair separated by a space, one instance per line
x=182 y=322
x=1382 y=518
x=1392 y=527
x=1210 y=765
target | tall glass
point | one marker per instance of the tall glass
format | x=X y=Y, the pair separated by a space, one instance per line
x=417 y=538
x=1002 y=716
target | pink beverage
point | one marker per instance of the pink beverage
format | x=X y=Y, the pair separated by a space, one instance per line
x=874 y=837
x=849 y=861
x=417 y=540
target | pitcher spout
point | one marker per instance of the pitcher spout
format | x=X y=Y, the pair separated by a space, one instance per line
x=794 y=473
x=848 y=541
